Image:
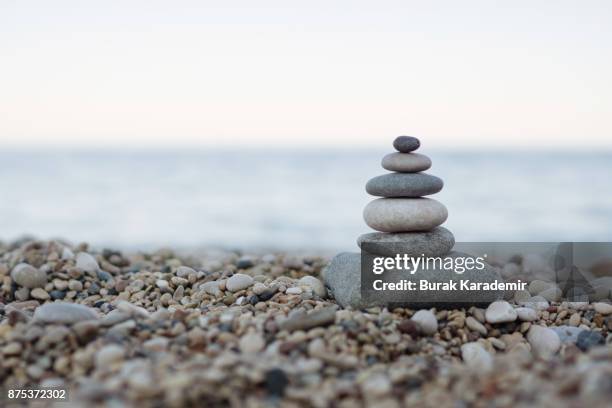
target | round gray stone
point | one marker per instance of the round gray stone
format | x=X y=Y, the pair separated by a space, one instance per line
x=343 y=279
x=406 y=162
x=27 y=276
x=64 y=313
x=404 y=185
x=406 y=144
x=404 y=214
x=437 y=242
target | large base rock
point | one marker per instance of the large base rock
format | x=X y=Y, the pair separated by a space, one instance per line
x=343 y=279
x=437 y=242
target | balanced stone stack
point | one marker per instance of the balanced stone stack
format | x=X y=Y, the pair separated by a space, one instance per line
x=409 y=223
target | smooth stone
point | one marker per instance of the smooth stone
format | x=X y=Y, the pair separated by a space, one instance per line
x=427 y=322
x=567 y=334
x=238 y=282
x=404 y=185
x=251 y=343
x=526 y=314
x=404 y=214
x=343 y=279
x=535 y=302
x=40 y=294
x=603 y=308
x=475 y=325
x=406 y=162
x=87 y=262
x=108 y=355
x=27 y=276
x=476 y=357
x=315 y=284
x=406 y=144
x=500 y=312
x=437 y=242
x=64 y=313
x=588 y=339
x=544 y=341
x=316 y=318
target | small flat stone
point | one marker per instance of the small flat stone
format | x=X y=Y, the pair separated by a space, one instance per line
x=406 y=162
x=64 y=313
x=544 y=341
x=426 y=321
x=500 y=312
x=28 y=276
x=404 y=214
x=39 y=293
x=321 y=317
x=437 y=242
x=238 y=282
x=404 y=185
x=476 y=357
x=406 y=144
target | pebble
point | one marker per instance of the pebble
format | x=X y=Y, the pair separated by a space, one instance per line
x=238 y=282
x=544 y=341
x=406 y=144
x=39 y=294
x=252 y=343
x=526 y=314
x=64 y=313
x=476 y=357
x=603 y=308
x=574 y=319
x=375 y=386
x=108 y=355
x=316 y=318
x=28 y=276
x=87 y=262
x=475 y=325
x=426 y=321
x=588 y=338
x=293 y=291
x=437 y=242
x=212 y=288
x=406 y=162
x=315 y=284
x=410 y=327
x=404 y=185
x=276 y=382
x=567 y=334
x=500 y=312
x=404 y=214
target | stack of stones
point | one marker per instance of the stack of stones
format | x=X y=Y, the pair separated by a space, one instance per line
x=408 y=222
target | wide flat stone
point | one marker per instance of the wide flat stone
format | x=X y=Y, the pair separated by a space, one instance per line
x=406 y=162
x=64 y=313
x=406 y=144
x=437 y=242
x=404 y=185
x=343 y=279
x=404 y=214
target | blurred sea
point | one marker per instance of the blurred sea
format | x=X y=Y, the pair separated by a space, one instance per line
x=290 y=200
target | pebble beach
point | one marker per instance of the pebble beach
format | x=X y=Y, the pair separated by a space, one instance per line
x=256 y=330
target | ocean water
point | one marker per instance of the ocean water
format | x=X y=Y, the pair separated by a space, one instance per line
x=290 y=200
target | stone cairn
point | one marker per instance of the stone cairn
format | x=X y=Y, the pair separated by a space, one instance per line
x=408 y=222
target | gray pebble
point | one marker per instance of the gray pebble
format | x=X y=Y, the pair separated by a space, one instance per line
x=406 y=162
x=406 y=144
x=404 y=185
x=64 y=313
x=437 y=242
x=28 y=276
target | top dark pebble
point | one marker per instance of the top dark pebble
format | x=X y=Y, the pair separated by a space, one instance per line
x=406 y=144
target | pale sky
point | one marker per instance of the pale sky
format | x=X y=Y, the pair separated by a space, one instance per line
x=131 y=73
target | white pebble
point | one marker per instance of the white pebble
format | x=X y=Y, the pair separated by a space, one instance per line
x=526 y=314
x=238 y=282
x=212 y=288
x=544 y=341
x=252 y=343
x=87 y=262
x=294 y=291
x=315 y=284
x=427 y=321
x=475 y=325
x=476 y=357
x=108 y=355
x=603 y=308
x=259 y=288
x=500 y=312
